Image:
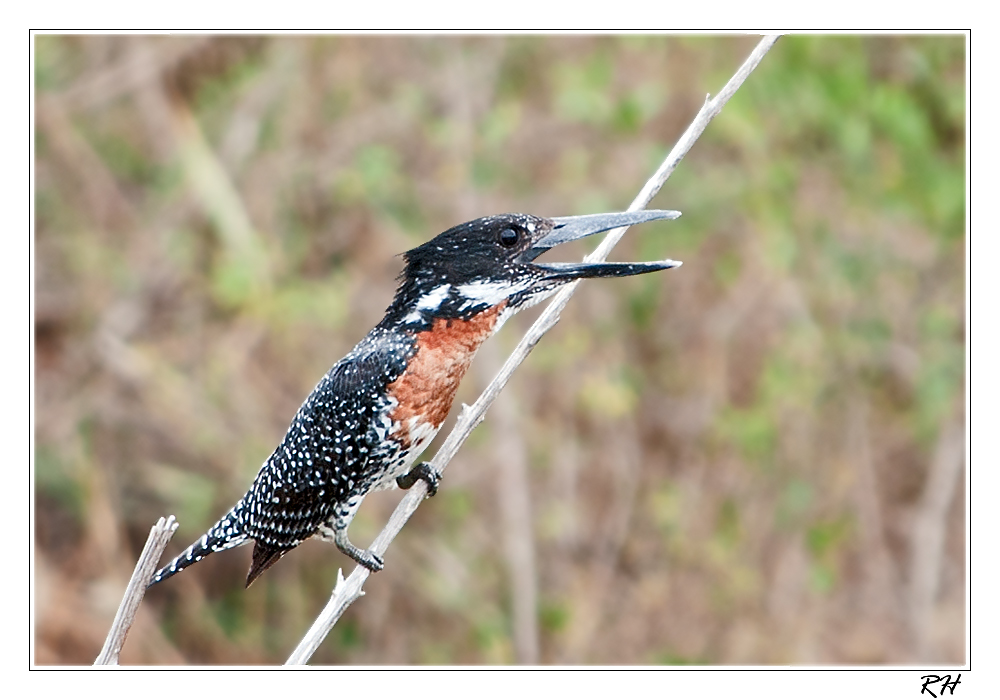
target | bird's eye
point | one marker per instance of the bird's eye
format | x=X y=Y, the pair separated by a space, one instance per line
x=508 y=237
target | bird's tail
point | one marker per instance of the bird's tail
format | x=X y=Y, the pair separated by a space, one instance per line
x=225 y=534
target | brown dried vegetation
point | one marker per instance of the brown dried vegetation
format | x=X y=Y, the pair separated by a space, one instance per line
x=757 y=458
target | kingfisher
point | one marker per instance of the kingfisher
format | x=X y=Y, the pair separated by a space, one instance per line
x=369 y=418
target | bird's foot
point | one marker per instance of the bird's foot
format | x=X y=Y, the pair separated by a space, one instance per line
x=366 y=557
x=423 y=471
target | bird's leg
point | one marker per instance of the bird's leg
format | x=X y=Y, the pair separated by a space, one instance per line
x=365 y=557
x=424 y=471
x=336 y=529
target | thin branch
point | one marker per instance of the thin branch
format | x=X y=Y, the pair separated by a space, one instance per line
x=927 y=540
x=708 y=112
x=346 y=592
x=514 y=498
x=159 y=536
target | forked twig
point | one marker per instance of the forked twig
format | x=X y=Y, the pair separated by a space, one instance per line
x=350 y=589
x=159 y=536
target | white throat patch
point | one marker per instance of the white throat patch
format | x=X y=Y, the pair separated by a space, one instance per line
x=432 y=299
x=488 y=293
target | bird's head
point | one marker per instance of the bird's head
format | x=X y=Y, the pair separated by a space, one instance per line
x=481 y=263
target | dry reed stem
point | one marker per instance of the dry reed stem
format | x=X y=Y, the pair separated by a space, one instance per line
x=159 y=536
x=348 y=590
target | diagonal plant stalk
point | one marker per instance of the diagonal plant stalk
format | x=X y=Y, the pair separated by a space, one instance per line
x=348 y=590
x=159 y=536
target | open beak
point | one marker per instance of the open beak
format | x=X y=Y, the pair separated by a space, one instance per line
x=570 y=228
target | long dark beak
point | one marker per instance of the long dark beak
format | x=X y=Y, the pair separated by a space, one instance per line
x=570 y=228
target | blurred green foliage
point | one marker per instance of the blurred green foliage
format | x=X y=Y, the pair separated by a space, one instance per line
x=217 y=220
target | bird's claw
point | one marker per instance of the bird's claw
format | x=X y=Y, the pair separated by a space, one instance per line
x=423 y=471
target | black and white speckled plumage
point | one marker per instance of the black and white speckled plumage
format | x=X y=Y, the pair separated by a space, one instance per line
x=374 y=412
x=335 y=450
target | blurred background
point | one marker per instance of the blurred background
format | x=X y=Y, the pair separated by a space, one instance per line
x=757 y=458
